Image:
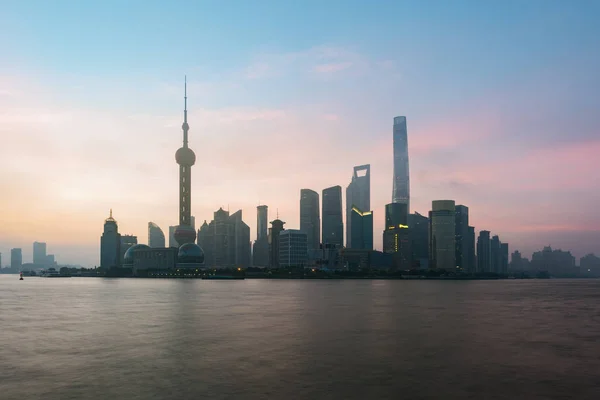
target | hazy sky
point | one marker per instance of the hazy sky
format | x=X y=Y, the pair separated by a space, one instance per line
x=502 y=102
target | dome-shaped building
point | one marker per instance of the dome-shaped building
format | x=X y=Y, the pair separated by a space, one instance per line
x=190 y=254
x=130 y=254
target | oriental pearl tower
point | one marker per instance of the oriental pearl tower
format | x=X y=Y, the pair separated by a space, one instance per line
x=185 y=157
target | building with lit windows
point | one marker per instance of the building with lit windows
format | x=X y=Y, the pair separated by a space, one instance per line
x=361 y=235
x=358 y=194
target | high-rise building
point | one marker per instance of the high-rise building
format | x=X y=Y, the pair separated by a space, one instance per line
x=396 y=235
x=484 y=253
x=274 y=231
x=260 y=254
x=419 y=239
x=186 y=158
x=471 y=265
x=110 y=243
x=496 y=256
x=461 y=218
x=401 y=190
x=172 y=240
x=442 y=241
x=50 y=260
x=293 y=248
x=39 y=253
x=156 y=237
x=504 y=258
x=225 y=241
x=333 y=224
x=16 y=258
x=126 y=241
x=310 y=222
x=358 y=194
x=361 y=235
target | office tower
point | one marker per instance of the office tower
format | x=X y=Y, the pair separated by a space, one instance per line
x=496 y=257
x=110 y=243
x=504 y=258
x=461 y=220
x=333 y=224
x=419 y=239
x=225 y=241
x=172 y=240
x=260 y=253
x=274 y=231
x=358 y=193
x=471 y=264
x=125 y=243
x=484 y=254
x=50 y=260
x=293 y=248
x=186 y=158
x=396 y=235
x=361 y=235
x=401 y=190
x=442 y=241
x=156 y=237
x=310 y=222
x=16 y=258
x=39 y=253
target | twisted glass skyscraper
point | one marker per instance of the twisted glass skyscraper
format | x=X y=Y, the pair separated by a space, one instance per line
x=401 y=190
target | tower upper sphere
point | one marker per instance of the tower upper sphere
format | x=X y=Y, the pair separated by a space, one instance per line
x=185 y=156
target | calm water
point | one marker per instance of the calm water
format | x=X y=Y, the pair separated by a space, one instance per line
x=91 y=338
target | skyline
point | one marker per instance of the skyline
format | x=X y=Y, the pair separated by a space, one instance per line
x=505 y=127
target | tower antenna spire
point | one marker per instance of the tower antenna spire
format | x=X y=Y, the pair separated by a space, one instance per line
x=185 y=126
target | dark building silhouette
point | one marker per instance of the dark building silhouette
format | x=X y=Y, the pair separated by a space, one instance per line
x=504 y=258
x=362 y=229
x=442 y=241
x=396 y=235
x=225 y=241
x=310 y=223
x=496 y=255
x=16 y=259
x=126 y=241
x=418 y=226
x=461 y=218
x=358 y=194
x=156 y=237
x=293 y=248
x=590 y=265
x=110 y=244
x=261 y=245
x=471 y=262
x=484 y=254
x=274 y=231
x=557 y=263
x=333 y=225
x=39 y=253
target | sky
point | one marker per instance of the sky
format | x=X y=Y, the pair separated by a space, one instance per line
x=501 y=100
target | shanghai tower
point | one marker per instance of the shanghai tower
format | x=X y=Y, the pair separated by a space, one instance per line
x=401 y=190
x=185 y=157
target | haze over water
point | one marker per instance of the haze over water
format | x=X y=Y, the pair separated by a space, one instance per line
x=94 y=338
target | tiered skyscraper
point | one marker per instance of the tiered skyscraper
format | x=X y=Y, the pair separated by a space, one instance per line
x=401 y=189
x=110 y=243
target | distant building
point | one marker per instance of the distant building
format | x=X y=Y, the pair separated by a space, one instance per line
x=504 y=258
x=361 y=235
x=590 y=265
x=496 y=255
x=125 y=243
x=110 y=243
x=293 y=248
x=358 y=194
x=461 y=218
x=310 y=223
x=442 y=241
x=333 y=224
x=154 y=259
x=156 y=237
x=260 y=253
x=360 y=259
x=274 y=231
x=50 y=260
x=484 y=252
x=16 y=258
x=470 y=261
x=172 y=240
x=225 y=241
x=39 y=253
x=418 y=226
x=396 y=235
x=555 y=262
x=401 y=189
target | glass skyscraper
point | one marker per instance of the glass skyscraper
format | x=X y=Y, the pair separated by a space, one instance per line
x=333 y=224
x=358 y=194
x=401 y=190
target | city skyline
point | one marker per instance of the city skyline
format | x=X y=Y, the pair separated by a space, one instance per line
x=513 y=136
